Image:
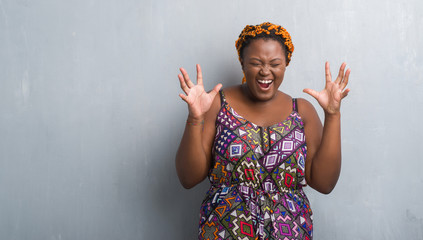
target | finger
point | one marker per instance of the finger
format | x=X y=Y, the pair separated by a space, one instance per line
x=215 y=90
x=186 y=78
x=199 y=75
x=184 y=87
x=327 y=73
x=341 y=73
x=345 y=93
x=312 y=92
x=183 y=97
x=344 y=82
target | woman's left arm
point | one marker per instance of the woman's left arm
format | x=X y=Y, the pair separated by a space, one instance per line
x=323 y=163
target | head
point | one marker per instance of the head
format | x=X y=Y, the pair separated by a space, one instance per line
x=267 y=31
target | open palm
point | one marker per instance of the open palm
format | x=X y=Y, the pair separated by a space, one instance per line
x=330 y=97
x=198 y=100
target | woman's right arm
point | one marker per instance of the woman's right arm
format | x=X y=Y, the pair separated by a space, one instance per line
x=193 y=159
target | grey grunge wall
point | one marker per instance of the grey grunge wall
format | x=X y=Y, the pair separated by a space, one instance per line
x=90 y=117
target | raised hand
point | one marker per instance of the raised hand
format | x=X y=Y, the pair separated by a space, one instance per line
x=198 y=100
x=330 y=97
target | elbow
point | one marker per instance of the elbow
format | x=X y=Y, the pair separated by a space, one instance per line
x=323 y=188
x=323 y=183
x=189 y=179
x=325 y=191
x=190 y=176
x=189 y=182
x=186 y=184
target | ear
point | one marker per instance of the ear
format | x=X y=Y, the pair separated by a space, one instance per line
x=242 y=64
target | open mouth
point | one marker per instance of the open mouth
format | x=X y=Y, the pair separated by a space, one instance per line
x=264 y=83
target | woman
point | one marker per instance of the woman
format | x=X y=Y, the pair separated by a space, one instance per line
x=258 y=146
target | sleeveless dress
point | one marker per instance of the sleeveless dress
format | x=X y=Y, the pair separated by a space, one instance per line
x=257 y=180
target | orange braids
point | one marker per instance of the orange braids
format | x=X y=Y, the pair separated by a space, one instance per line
x=264 y=30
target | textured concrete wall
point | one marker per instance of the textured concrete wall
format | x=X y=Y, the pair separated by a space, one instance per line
x=90 y=117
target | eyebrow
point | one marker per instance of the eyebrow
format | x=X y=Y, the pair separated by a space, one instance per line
x=275 y=59
x=255 y=59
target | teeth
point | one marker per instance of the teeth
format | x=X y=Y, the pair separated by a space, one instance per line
x=265 y=81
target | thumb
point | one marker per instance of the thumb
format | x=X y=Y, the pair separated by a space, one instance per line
x=311 y=92
x=183 y=97
x=215 y=90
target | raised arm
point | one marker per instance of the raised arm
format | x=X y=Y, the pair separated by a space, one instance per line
x=323 y=163
x=193 y=159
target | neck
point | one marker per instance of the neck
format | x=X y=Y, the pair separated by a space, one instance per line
x=250 y=99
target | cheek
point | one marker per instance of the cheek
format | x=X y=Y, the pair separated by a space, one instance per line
x=250 y=71
x=280 y=73
x=282 y=70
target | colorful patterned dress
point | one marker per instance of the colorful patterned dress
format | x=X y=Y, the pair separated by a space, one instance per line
x=257 y=180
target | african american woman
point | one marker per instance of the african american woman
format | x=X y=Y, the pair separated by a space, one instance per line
x=258 y=146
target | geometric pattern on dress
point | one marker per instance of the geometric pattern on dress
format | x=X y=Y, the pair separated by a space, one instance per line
x=256 y=180
x=224 y=173
x=290 y=223
x=226 y=136
x=252 y=135
x=286 y=176
x=210 y=230
x=241 y=171
x=236 y=150
x=282 y=149
x=285 y=127
x=269 y=184
x=248 y=173
x=227 y=118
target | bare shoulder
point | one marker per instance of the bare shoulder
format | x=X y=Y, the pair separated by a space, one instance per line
x=283 y=97
x=233 y=94
x=305 y=104
x=232 y=90
x=306 y=110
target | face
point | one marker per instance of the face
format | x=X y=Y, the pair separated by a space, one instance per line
x=264 y=66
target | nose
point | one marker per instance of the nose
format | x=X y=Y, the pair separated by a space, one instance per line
x=264 y=71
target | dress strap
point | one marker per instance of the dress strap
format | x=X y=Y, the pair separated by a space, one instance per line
x=222 y=97
x=294 y=105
